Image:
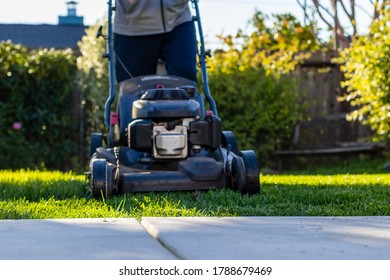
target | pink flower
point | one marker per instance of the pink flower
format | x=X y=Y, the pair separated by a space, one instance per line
x=17 y=125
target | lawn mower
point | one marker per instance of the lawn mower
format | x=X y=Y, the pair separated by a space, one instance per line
x=162 y=138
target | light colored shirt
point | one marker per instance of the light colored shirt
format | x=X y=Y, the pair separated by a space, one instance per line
x=148 y=17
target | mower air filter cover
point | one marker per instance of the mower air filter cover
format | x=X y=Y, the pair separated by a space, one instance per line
x=187 y=108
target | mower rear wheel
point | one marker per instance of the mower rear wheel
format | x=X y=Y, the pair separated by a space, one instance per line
x=252 y=172
x=238 y=179
x=96 y=142
x=228 y=139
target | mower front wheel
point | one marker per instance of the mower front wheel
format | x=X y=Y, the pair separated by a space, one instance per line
x=252 y=172
x=102 y=179
x=245 y=173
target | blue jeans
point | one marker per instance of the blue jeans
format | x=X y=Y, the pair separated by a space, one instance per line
x=140 y=54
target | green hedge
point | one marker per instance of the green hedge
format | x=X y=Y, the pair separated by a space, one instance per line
x=36 y=87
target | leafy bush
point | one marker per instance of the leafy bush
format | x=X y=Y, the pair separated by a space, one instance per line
x=35 y=103
x=366 y=65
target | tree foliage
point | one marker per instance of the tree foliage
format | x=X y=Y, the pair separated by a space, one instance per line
x=366 y=65
x=276 y=48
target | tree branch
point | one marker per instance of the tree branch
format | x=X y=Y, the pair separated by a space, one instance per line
x=318 y=7
x=364 y=10
x=351 y=15
x=311 y=24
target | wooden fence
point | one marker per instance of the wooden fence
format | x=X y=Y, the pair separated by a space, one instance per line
x=327 y=125
x=326 y=130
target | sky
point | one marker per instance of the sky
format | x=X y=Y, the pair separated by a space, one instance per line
x=218 y=16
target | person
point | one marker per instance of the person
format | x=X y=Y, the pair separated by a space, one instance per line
x=148 y=30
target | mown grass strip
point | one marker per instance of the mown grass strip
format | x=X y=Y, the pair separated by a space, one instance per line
x=56 y=209
x=34 y=185
x=39 y=195
x=338 y=180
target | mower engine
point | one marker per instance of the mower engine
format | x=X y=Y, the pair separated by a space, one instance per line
x=167 y=124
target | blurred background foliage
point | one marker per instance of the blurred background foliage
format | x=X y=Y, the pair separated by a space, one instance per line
x=36 y=122
x=251 y=78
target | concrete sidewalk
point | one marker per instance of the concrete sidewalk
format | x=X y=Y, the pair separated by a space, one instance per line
x=78 y=239
x=274 y=238
x=270 y=238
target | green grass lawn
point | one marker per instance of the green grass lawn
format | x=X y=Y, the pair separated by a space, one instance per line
x=40 y=195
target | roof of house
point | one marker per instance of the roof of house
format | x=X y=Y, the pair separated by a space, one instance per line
x=43 y=36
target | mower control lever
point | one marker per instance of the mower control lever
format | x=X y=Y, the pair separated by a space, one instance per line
x=99 y=33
